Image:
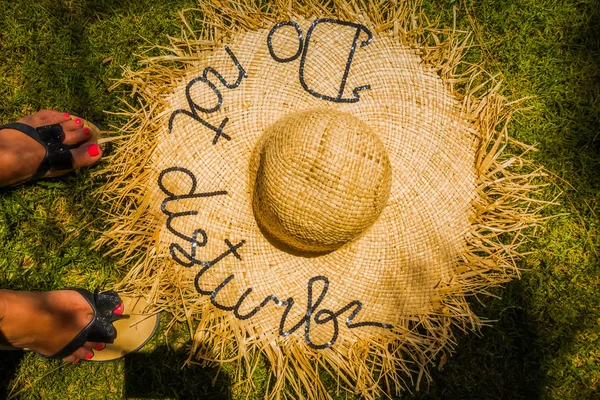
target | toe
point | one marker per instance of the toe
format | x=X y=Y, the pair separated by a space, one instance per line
x=75 y=132
x=95 y=346
x=71 y=359
x=46 y=117
x=83 y=353
x=87 y=154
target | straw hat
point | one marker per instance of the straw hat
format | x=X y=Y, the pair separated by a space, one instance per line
x=312 y=191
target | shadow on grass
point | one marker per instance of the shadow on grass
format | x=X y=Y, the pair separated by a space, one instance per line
x=501 y=363
x=9 y=364
x=509 y=360
x=536 y=346
x=161 y=374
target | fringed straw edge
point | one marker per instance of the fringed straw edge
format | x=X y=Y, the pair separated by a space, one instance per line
x=504 y=210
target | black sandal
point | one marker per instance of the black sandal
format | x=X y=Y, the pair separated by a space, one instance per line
x=100 y=328
x=135 y=329
x=58 y=155
x=120 y=323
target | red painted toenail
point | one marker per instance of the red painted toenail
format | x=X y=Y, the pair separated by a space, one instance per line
x=119 y=309
x=86 y=130
x=67 y=115
x=77 y=121
x=76 y=361
x=93 y=150
x=100 y=347
x=90 y=355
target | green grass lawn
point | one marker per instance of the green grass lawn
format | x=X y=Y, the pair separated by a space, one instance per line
x=545 y=343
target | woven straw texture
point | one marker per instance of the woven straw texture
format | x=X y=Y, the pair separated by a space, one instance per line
x=396 y=267
x=317 y=193
x=320 y=179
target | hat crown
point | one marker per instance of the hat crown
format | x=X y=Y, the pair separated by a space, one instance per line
x=320 y=179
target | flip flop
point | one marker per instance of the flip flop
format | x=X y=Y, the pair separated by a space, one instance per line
x=58 y=155
x=133 y=332
x=109 y=326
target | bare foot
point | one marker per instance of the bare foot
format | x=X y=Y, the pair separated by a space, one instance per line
x=21 y=155
x=45 y=321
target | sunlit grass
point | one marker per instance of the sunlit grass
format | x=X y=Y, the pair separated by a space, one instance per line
x=63 y=54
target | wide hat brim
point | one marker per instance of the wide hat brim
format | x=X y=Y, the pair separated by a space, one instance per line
x=398 y=265
x=381 y=303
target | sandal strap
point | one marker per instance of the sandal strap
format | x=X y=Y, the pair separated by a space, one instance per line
x=100 y=328
x=58 y=156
